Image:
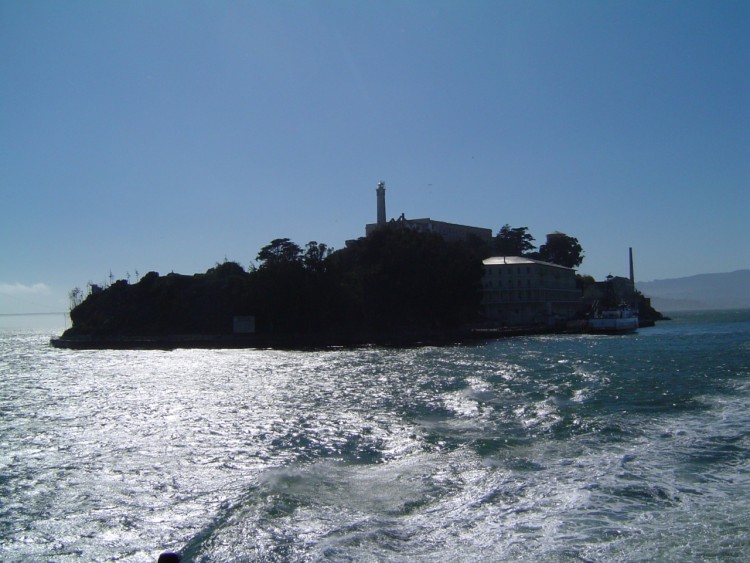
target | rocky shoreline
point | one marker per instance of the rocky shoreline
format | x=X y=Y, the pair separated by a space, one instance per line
x=303 y=341
x=262 y=341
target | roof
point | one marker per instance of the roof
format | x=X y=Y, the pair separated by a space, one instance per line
x=428 y=221
x=518 y=261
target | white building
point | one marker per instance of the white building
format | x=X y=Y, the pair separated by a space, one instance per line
x=519 y=291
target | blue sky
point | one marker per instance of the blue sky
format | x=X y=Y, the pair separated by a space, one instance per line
x=168 y=136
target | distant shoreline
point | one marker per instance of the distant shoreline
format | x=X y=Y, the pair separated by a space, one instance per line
x=34 y=314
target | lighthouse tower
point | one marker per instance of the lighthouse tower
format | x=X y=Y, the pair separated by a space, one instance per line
x=381 y=203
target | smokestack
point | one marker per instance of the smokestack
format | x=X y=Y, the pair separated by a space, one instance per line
x=381 y=203
x=632 y=273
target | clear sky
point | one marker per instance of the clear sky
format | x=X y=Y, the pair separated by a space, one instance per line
x=139 y=135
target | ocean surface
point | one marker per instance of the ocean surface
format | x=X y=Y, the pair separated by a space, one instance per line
x=559 y=448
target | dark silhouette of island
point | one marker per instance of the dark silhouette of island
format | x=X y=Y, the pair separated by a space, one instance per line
x=395 y=286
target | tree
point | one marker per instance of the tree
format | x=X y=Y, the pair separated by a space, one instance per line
x=76 y=297
x=511 y=241
x=226 y=269
x=397 y=280
x=315 y=256
x=280 y=281
x=279 y=251
x=562 y=250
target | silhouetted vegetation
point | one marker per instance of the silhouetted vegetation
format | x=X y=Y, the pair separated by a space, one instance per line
x=559 y=249
x=172 y=304
x=399 y=279
x=511 y=241
x=396 y=281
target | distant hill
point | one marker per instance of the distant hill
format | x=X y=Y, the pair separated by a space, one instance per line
x=704 y=291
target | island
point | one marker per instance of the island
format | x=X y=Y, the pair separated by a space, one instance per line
x=397 y=286
x=406 y=282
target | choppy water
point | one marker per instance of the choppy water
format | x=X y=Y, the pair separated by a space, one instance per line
x=572 y=448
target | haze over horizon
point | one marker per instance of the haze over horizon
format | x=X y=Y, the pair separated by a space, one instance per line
x=170 y=136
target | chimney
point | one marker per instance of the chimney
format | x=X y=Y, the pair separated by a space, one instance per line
x=632 y=273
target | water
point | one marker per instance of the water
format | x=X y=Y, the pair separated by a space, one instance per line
x=565 y=448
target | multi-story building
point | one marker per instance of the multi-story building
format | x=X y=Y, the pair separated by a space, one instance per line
x=519 y=291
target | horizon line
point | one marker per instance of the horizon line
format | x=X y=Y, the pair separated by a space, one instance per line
x=30 y=314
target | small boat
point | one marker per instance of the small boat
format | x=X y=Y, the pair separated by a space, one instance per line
x=617 y=320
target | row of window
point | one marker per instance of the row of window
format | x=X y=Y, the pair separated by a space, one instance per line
x=519 y=283
x=509 y=270
x=510 y=283
x=519 y=271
